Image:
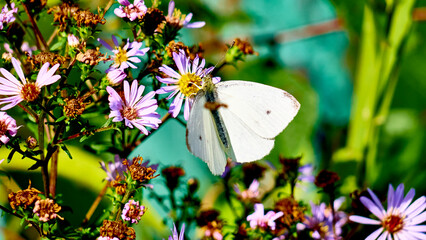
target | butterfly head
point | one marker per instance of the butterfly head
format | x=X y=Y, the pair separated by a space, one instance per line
x=208 y=84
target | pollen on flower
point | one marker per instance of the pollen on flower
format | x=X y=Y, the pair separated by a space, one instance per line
x=3 y=128
x=121 y=56
x=393 y=223
x=30 y=92
x=188 y=84
x=129 y=112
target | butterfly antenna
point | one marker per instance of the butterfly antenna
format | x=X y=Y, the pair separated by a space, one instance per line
x=222 y=60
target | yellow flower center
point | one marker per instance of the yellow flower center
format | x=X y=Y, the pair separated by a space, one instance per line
x=189 y=84
x=121 y=56
x=30 y=92
x=393 y=223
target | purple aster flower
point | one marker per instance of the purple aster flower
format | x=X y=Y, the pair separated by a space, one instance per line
x=251 y=193
x=262 y=220
x=175 y=234
x=126 y=56
x=185 y=84
x=115 y=76
x=26 y=48
x=131 y=11
x=24 y=90
x=133 y=211
x=114 y=168
x=7 y=125
x=6 y=15
x=401 y=218
x=321 y=221
x=134 y=109
x=73 y=41
x=176 y=18
x=306 y=173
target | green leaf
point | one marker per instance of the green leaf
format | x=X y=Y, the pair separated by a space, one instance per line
x=66 y=150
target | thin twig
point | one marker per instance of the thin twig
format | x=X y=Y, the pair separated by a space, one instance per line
x=49 y=41
x=36 y=30
x=90 y=132
x=95 y=203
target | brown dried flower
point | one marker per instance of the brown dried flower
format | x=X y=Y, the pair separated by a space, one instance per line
x=290 y=168
x=293 y=213
x=172 y=175
x=47 y=209
x=117 y=229
x=63 y=13
x=245 y=47
x=91 y=57
x=139 y=172
x=326 y=179
x=120 y=187
x=176 y=47
x=88 y=18
x=151 y=19
x=75 y=106
x=24 y=198
x=31 y=142
x=44 y=57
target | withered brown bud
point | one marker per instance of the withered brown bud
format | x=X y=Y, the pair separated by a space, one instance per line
x=88 y=18
x=326 y=180
x=63 y=13
x=245 y=47
x=74 y=107
x=172 y=175
x=31 y=142
x=151 y=19
x=44 y=57
x=139 y=172
x=176 y=47
x=290 y=168
x=47 y=209
x=24 y=198
x=117 y=229
x=119 y=185
x=293 y=213
x=91 y=57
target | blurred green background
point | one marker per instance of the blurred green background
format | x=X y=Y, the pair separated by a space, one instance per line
x=358 y=71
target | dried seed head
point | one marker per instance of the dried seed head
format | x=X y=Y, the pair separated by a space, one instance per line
x=88 y=18
x=172 y=175
x=24 y=198
x=63 y=13
x=44 y=57
x=151 y=20
x=119 y=185
x=47 y=209
x=326 y=180
x=293 y=213
x=244 y=46
x=31 y=142
x=75 y=106
x=176 y=47
x=139 y=172
x=91 y=57
x=117 y=229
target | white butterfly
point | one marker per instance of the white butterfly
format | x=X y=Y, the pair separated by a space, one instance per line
x=237 y=119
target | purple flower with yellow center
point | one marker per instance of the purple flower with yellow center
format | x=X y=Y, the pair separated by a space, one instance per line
x=7 y=127
x=133 y=211
x=24 y=90
x=184 y=84
x=321 y=221
x=134 y=109
x=124 y=57
x=176 y=18
x=6 y=15
x=262 y=220
x=401 y=218
x=131 y=11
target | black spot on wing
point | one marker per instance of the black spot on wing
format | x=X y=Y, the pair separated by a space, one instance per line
x=268 y=112
x=200 y=138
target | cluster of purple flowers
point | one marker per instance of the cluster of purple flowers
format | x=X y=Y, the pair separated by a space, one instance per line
x=6 y=15
x=129 y=10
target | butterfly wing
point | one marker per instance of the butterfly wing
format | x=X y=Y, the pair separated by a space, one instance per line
x=246 y=145
x=264 y=109
x=202 y=138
